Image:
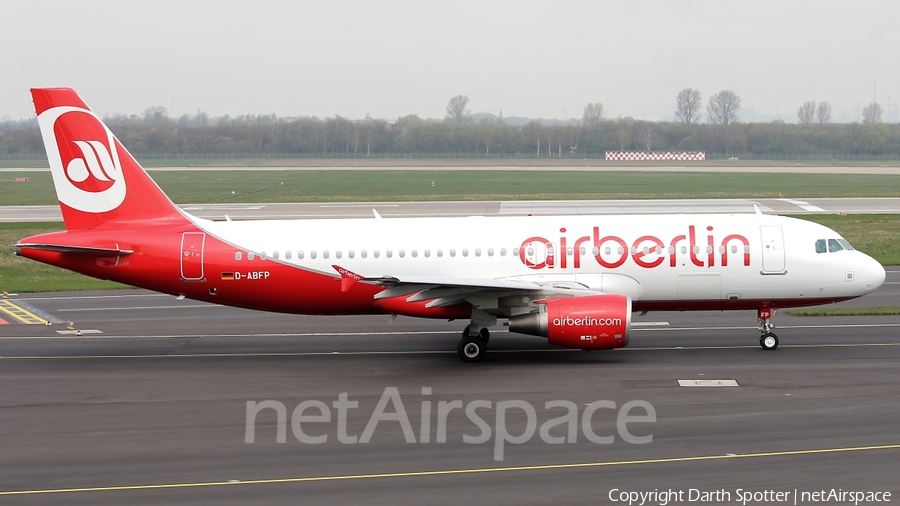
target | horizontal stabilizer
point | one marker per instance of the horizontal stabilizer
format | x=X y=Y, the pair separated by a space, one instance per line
x=76 y=250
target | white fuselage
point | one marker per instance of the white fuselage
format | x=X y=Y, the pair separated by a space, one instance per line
x=648 y=257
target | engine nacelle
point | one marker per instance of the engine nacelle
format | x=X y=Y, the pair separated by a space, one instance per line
x=597 y=322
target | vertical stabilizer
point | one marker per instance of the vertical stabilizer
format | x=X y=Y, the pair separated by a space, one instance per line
x=96 y=179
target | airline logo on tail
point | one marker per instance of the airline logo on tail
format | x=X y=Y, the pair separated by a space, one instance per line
x=83 y=158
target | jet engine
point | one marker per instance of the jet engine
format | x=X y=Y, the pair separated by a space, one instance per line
x=597 y=322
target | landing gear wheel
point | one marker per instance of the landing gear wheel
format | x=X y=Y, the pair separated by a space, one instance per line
x=768 y=341
x=484 y=333
x=471 y=349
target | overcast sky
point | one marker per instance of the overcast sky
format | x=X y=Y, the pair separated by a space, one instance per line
x=392 y=58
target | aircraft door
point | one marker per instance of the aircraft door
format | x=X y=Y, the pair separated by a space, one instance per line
x=772 y=249
x=192 y=256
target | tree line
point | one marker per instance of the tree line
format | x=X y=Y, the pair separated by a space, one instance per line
x=155 y=133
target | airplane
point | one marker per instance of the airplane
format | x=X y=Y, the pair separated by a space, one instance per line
x=575 y=280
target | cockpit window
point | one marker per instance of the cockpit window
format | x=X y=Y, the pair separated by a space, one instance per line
x=845 y=244
x=834 y=245
x=820 y=246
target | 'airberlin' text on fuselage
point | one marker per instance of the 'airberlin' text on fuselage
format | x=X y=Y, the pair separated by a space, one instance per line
x=646 y=251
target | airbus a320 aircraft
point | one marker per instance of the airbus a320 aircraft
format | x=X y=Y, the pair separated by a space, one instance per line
x=573 y=279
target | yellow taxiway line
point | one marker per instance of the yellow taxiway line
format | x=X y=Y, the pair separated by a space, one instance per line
x=19 y=313
x=447 y=472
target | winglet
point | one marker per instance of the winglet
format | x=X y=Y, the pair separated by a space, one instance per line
x=347 y=277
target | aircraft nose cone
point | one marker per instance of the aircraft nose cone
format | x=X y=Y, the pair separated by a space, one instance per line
x=873 y=274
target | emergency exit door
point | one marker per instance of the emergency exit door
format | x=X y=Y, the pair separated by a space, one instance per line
x=192 y=256
x=772 y=249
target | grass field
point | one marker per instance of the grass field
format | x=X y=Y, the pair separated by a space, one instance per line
x=262 y=186
x=877 y=235
x=871 y=311
x=471 y=162
x=19 y=274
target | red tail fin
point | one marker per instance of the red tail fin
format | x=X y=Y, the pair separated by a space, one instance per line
x=96 y=179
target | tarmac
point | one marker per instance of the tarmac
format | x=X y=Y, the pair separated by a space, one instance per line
x=319 y=210
x=149 y=405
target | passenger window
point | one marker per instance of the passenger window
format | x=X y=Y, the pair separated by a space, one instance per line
x=478 y=252
x=402 y=253
x=337 y=254
x=581 y=250
x=427 y=253
x=490 y=252
x=389 y=253
x=376 y=253
x=440 y=252
x=820 y=246
x=515 y=252
x=250 y=255
x=363 y=254
x=325 y=254
x=415 y=253
x=287 y=255
x=262 y=255
x=275 y=255
x=300 y=255
x=238 y=255
x=465 y=252
x=351 y=254
x=733 y=248
x=453 y=252
x=834 y=245
x=312 y=254
x=503 y=252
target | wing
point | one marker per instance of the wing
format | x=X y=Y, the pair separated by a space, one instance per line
x=499 y=297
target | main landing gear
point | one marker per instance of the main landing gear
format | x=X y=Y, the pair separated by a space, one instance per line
x=472 y=348
x=768 y=340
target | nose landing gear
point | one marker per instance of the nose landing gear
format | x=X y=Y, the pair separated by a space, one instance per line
x=767 y=340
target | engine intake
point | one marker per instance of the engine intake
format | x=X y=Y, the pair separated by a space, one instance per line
x=597 y=322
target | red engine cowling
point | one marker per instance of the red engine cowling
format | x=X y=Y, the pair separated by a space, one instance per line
x=598 y=322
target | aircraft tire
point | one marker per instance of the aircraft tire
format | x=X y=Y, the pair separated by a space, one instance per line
x=471 y=349
x=768 y=341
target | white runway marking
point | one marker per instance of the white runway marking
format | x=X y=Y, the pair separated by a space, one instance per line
x=443 y=332
x=708 y=383
x=77 y=297
x=806 y=206
x=361 y=205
